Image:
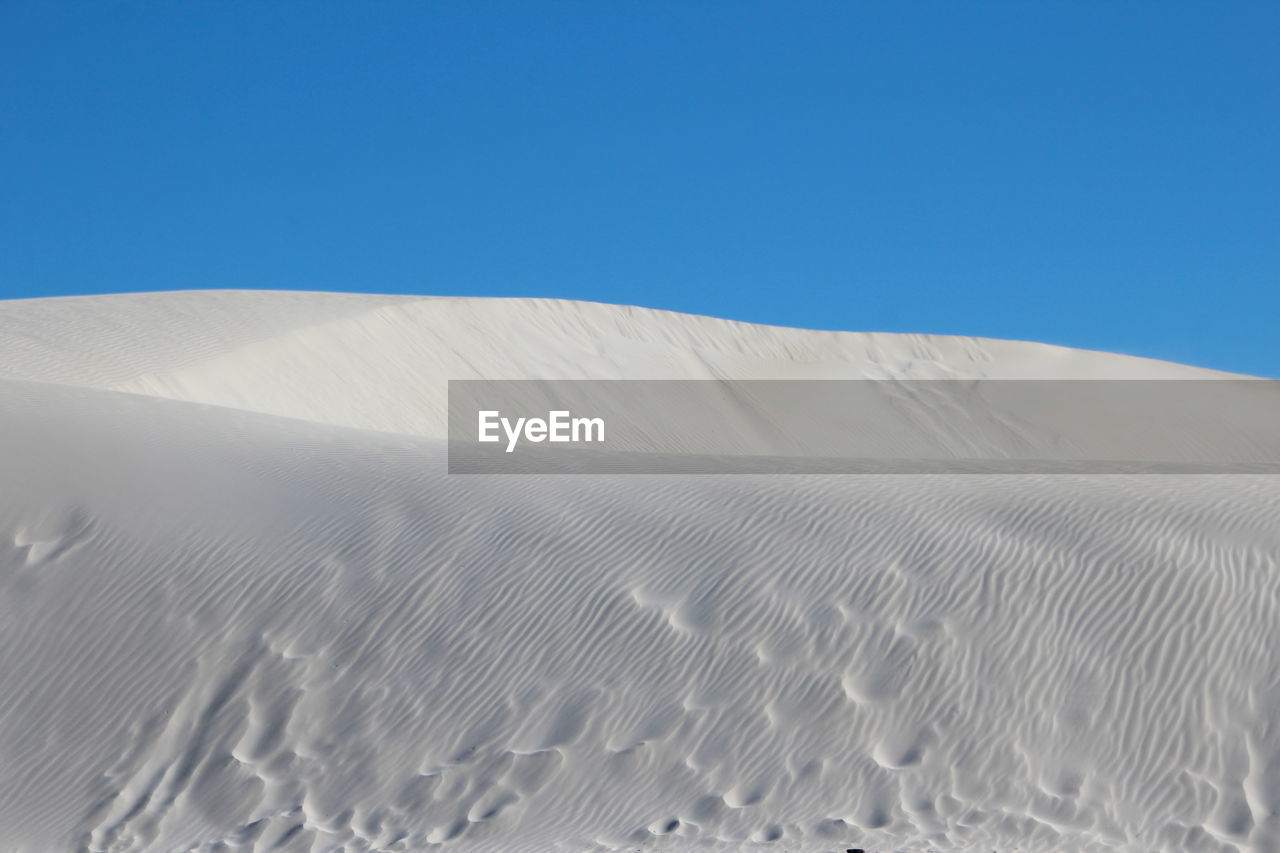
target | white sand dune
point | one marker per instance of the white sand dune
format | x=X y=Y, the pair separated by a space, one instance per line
x=244 y=608
x=379 y=362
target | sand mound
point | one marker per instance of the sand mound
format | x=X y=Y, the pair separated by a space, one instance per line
x=243 y=608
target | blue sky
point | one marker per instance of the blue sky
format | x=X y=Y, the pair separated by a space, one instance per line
x=1103 y=175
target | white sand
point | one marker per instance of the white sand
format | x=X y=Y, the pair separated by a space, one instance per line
x=242 y=608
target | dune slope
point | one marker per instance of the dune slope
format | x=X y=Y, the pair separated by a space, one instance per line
x=244 y=608
x=379 y=362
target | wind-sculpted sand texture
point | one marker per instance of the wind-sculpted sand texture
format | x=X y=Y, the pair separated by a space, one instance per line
x=240 y=611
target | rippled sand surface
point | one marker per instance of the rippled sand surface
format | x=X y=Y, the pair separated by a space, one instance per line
x=244 y=608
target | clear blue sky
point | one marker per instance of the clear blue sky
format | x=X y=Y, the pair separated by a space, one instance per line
x=1096 y=174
